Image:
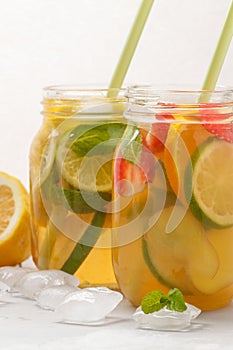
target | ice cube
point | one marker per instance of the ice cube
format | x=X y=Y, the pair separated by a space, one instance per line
x=10 y=275
x=34 y=282
x=88 y=305
x=165 y=319
x=50 y=298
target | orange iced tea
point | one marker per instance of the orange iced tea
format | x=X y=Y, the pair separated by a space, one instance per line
x=71 y=182
x=173 y=195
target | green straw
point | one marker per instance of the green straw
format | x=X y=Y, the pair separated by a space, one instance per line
x=220 y=53
x=130 y=46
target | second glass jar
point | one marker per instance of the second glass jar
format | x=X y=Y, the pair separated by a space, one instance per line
x=173 y=196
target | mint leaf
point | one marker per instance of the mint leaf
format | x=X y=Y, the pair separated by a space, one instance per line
x=157 y=300
x=131 y=147
x=99 y=139
x=153 y=301
x=176 y=300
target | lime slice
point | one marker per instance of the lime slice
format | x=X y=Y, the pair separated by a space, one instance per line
x=84 y=156
x=87 y=173
x=211 y=183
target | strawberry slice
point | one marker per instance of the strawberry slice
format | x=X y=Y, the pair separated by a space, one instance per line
x=129 y=178
x=211 y=120
x=155 y=139
x=132 y=178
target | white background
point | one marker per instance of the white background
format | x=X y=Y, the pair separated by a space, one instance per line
x=44 y=42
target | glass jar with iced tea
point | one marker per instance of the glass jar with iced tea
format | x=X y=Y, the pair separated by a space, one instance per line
x=71 y=182
x=173 y=196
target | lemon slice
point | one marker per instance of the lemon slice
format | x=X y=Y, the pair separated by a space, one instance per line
x=211 y=183
x=87 y=173
x=47 y=158
x=14 y=221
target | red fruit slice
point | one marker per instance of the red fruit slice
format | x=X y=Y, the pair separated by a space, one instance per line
x=129 y=178
x=155 y=139
x=132 y=178
x=216 y=123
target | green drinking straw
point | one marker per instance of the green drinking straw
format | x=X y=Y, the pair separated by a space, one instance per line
x=219 y=54
x=130 y=46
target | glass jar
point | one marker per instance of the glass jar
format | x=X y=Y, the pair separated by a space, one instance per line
x=173 y=196
x=71 y=182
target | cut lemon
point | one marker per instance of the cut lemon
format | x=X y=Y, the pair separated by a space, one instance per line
x=210 y=182
x=87 y=173
x=14 y=221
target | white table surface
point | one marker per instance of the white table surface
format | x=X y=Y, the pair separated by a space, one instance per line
x=24 y=326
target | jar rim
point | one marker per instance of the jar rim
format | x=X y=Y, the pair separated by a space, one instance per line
x=70 y=92
x=175 y=90
x=144 y=102
x=155 y=98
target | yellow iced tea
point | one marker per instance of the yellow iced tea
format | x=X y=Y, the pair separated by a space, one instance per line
x=71 y=182
x=173 y=195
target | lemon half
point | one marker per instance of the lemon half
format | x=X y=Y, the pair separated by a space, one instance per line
x=14 y=221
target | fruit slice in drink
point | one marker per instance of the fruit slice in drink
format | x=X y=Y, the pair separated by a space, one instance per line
x=84 y=156
x=209 y=179
x=182 y=141
x=64 y=244
x=217 y=123
x=136 y=278
x=90 y=174
x=222 y=241
x=179 y=256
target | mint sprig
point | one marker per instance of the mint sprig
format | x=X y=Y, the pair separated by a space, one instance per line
x=153 y=302
x=97 y=139
x=176 y=300
x=157 y=300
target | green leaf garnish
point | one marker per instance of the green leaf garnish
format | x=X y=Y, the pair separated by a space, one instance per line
x=176 y=300
x=100 y=139
x=157 y=300
x=153 y=301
